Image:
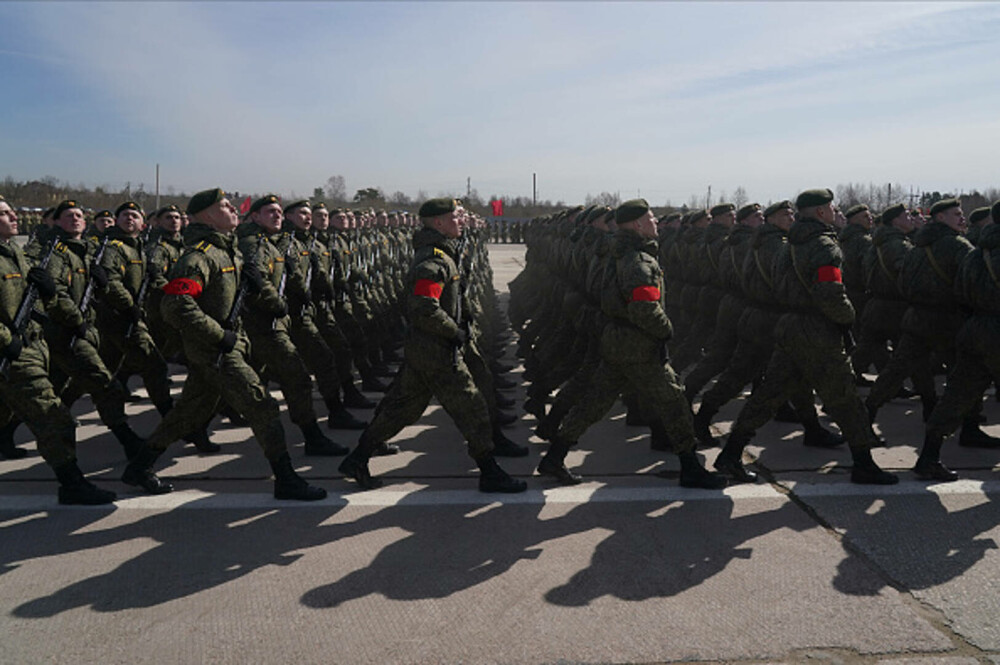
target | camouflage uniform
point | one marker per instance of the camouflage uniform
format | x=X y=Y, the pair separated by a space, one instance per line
x=162 y=252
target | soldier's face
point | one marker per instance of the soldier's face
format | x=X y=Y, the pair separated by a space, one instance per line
x=8 y=221
x=130 y=222
x=904 y=222
x=320 y=219
x=754 y=220
x=222 y=217
x=170 y=222
x=301 y=217
x=103 y=223
x=954 y=218
x=269 y=217
x=783 y=219
x=450 y=225
x=72 y=222
x=645 y=226
x=725 y=219
x=340 y=222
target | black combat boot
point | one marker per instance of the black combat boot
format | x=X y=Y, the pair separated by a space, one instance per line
x=493 y=479
x=344 y=419
x=504 y=447
x=7 y=448
x=232 y=415
x=504 y=418
x=534 y=406
x=703 y=426
x=139 y=473
x=130 y=441
x=505 y=402
x=866 y=472
x=818 y=436
x=554 y=463
x=353 y=397
x=929 y=466
x=659 y=440
x=786 y=414
x=202 y=442
x=290 y=485
x=163 y=408
x=927 y=405
x=371 y=383
x=355 y=465
x=972 y=435
x=693 y=474
x=76 y=490
x=318 y=444
x=730 y=460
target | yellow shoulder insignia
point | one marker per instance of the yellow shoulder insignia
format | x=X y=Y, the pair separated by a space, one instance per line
x=203 y=246
x=115 y=243
x=438 y=253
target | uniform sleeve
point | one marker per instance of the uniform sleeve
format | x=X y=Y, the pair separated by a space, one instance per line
x=158 y=265
x=115 y=262
x=424 y=300
x=62 y=309
x=188 y=280
x=823 y=273
x=268 y=300
x=641 y=288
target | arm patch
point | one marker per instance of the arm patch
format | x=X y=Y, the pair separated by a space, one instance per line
x=182 y=286
x=428 y=288
x=645 y=294
x=828 y=274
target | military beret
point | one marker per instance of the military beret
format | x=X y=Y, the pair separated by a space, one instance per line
x=263 y=201
x=995 y=212
x=63 y=207
x=204 y=200
x=722 y=209
x=943 y=205
x=892 y=212
x=854 y=210
x=671 y=217
x=978 y=215
x=437 y=207
x=103 y=213
x=813 y=197
x=319 y=205
x=596 y=213
x=165 y=209
x=48 y=212
x=128 y=205
x=775 y=207
x=685 y=218
x=578 y=208
x=336 y=211
x=697 y=215
x=631 y=210
x=296 y=204
x=746 y=211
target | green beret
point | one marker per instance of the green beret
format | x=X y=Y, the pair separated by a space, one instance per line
x=319 y=205
x=336 y=211
x=296 y=204
x=697 y=215
x=596 y=213
x=722 y=209
x=437 y=207
x=775 y=207
x=854 y=210
x=631 y=211
x=978 y=215
x=263 y=201
x=204 y=200
x=578 y=208
x=813 y=197
x=746 y=211
x=103 y=213
x=128 y=205
x=63 y=207
x=165 y=209
x=892 y=212
x=943 y=205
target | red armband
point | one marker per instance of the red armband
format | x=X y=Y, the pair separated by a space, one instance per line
x=828 y=274
x=645 y=294
x=429 y=288
x=182 y=286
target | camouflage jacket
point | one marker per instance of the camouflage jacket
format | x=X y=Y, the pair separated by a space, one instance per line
x=261 y=309
x=125 y=264
x=734 y=252
x=927 y=277
x=884 y=260
x=767 y=242
x=807 y=272
x=14 y=268
x=432 y=302
x=855 y=241
x=977 y=283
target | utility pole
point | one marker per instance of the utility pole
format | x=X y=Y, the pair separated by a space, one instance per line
x=708 y=199
x=468 y=188
x=534 y=189
x=157 y=186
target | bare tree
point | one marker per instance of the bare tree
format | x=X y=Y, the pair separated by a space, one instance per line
x=336 y=189
x=740 y=197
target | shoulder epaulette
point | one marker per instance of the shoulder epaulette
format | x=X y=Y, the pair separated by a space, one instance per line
x=439 y=253
x=203 y=246
x=115 y=243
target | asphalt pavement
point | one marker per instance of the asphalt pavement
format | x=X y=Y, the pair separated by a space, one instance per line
x=625 y=568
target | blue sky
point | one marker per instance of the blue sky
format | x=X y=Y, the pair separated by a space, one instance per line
x=661 y=99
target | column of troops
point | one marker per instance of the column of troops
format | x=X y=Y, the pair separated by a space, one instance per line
x=501 y=230
x=617 y=303
x=295 y=294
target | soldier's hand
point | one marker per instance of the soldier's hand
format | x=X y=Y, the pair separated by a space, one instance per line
x=280 y=311
x=228 y=341
x=13 y=350
x=461 y=337
x=41 y=279
x=135 y=313
x=255 y=280
x=99 y=275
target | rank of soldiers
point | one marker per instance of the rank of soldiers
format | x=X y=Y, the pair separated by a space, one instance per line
x=612 y=303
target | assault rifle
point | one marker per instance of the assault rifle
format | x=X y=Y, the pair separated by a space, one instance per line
x=27 y=306
x=241 y=295
x=462 y=286
x=283 y=282
x=88 y=293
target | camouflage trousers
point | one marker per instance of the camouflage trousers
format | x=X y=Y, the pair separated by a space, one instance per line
x=336 y=339
x=453 y=386
x=655 y=388
x=720 y=347
x=137 y=354
x=878 y=325
x=233 y=381
x=317 y=356
x=88 y=374
x=977 y=365
x=702 y=328
x=808 y=353
x=27 y=394
x=273 y=353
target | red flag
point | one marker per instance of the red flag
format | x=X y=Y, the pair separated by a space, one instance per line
x=497 y=208
x=245 y=206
